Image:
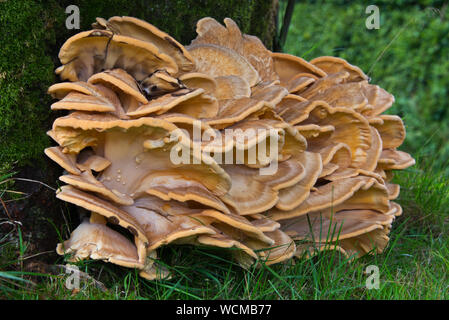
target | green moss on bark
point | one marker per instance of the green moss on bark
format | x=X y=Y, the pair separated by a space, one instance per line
x=26 y=70
x=32 y=32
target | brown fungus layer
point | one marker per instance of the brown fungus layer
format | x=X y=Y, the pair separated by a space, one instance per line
x=145 y=147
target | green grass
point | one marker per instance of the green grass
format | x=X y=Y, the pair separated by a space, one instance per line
x=414 y=265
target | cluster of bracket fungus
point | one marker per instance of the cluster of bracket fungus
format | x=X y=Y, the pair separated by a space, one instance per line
x=144 y=147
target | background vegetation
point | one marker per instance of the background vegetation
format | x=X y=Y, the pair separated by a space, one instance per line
x=408 y=56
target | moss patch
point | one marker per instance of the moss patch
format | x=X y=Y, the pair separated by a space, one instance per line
x=26 y=70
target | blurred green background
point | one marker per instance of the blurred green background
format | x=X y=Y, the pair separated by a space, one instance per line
x=408 y=56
